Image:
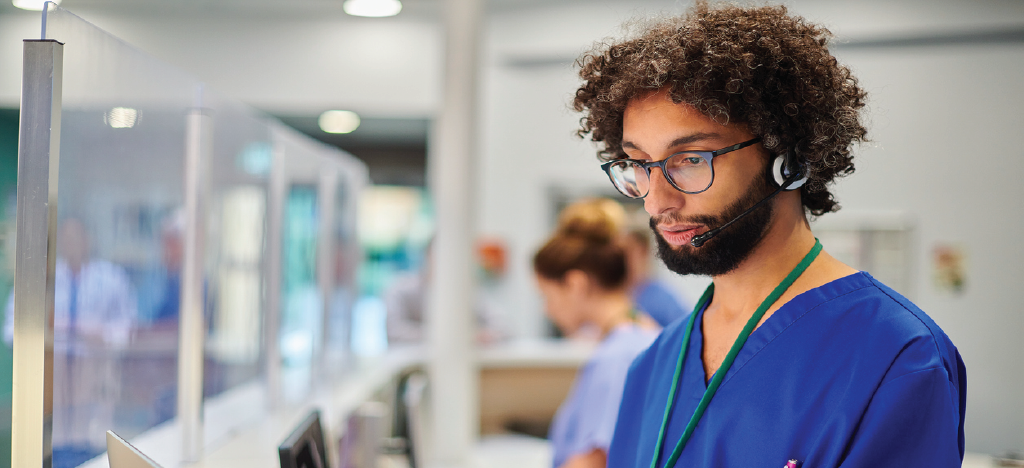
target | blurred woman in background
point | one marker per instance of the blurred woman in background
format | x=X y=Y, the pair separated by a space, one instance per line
x=650 y=294
x=581 y=272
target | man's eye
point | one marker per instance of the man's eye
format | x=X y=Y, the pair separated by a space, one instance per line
x=689 y=161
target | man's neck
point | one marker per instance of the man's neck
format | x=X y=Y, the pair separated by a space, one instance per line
x=789 y=238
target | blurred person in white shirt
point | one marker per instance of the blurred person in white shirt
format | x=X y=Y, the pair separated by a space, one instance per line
x=94 y=313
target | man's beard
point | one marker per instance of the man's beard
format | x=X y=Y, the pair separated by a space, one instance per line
x=730 y=247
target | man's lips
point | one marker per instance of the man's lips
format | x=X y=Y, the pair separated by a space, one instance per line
x=679 y=234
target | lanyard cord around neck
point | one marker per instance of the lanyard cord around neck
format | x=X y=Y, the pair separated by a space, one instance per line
x=716 y=380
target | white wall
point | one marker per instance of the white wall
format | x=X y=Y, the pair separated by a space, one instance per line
x=946 y=124
x=528 y=146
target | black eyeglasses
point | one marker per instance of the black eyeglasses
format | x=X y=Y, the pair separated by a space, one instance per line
x=688 y=171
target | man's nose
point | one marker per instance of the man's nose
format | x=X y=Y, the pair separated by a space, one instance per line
x=661 y=197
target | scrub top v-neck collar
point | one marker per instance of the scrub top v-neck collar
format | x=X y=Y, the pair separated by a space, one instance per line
x=773 y=326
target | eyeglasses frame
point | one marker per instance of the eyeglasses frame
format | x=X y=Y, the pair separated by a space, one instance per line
x=708 y=156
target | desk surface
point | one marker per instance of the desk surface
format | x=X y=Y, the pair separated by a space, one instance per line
x=240 y=432
x=536 y=353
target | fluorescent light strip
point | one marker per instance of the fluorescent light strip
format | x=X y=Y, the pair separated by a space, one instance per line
x=32 y=5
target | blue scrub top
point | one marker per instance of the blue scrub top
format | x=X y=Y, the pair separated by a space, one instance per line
x=848 y=374
x=586 y=419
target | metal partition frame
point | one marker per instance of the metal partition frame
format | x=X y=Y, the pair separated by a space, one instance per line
x=326 y=186
x=38 y=161
x=191 y=336
x=272 y=310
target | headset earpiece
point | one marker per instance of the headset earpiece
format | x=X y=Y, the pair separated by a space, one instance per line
x=782 y=171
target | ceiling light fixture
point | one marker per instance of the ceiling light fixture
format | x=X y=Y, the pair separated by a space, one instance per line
x=121 y=117
x=339 y=121
x=372 y=8
x=34 y=5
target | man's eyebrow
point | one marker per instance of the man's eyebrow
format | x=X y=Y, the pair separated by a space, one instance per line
x=695 y=137
x=684 y=140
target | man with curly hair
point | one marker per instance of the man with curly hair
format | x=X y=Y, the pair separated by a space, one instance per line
x=731 y=123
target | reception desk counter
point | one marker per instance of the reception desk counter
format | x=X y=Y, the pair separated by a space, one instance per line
x=522 y=383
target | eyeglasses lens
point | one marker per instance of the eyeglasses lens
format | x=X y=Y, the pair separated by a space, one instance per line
x=689 y=171
x=630 y=179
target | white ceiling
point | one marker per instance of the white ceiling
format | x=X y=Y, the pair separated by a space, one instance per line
x=284 y=56
x=868 y=15
x=883 y=12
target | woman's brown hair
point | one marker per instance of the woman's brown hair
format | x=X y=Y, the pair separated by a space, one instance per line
x=587 y=239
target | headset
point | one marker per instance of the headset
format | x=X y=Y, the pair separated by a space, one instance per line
x=785 y=167
x=784 y=172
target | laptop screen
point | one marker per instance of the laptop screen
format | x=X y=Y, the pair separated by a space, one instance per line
x=121 y=454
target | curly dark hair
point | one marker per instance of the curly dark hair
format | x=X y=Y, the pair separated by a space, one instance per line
x=758 y=66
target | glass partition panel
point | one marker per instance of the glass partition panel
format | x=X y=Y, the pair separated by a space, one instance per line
x=241 y=154
x=129 y=127
x=320 y=256
x=240 y=164
x=344 y=262
x=123 y=138
x=302 y=301
x=8 y=196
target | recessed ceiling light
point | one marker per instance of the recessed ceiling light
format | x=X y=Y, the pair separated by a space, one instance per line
x=121 y=117
x=372 y=8
x=34 y=5
x=339 y=121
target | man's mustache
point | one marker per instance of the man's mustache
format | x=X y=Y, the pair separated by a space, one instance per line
x=674 y=218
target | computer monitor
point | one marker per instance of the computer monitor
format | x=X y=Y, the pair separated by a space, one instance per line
x=304 y=447
x=121 y=454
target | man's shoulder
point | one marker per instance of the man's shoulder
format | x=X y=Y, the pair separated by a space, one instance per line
x=860 y=312
x=890 y=328
x=860 y=301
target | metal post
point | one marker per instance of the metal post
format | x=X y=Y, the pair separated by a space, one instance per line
x=272 y=313
x=38 y=162
x=326 y=187
x=452 y=171
x=192 y=321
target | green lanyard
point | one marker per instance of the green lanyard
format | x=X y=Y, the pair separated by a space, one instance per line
x=716 y=380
